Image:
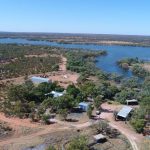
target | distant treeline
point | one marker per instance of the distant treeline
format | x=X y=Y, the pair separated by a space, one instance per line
x=126 y=40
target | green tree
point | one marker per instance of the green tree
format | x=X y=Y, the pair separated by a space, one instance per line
x=78 y=143
x=138 y=124
x=137 y=120
x=97 y=102
x=46 y=118
x=64 y=102
x=100 y=127
x=51 y=148
x=145 y=104
x=72 y=90
x=125 y=94
x=17 y=93
x=90 y=111
x=63 y=113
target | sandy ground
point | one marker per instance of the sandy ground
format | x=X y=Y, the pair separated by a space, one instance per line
x=147 y=66
x=63 y=76
x=16 y=142
x=134 y=138
x=14 y=121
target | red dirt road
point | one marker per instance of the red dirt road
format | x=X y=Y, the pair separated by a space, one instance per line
x=125 y=129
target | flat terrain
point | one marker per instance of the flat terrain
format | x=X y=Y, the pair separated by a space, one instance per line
x=100 y=39
x=55 y=134
x=28 y=134
x=134 y=138
x=63 y=76
x=31 y=134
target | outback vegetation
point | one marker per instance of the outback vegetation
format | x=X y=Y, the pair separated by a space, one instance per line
x=64 y=38
x=28 y=100
x=23 y=100
x=135 y=65
x=26 y=60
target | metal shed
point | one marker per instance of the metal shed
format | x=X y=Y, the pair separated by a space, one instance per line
x=35 y=79
x=99 y=137
x=84 y=106
x=57 y=94
x=132 y=101
x=124 y=112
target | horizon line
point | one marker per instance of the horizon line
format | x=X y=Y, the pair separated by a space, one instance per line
x=40 y=32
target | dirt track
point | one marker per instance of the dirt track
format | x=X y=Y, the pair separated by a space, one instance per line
x=15 y=123
x=125 y=129
x=16 y=142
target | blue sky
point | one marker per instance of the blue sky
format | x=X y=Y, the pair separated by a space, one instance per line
x=76 y=16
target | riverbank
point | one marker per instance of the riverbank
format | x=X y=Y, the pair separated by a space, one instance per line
x=106 y=63
x=69 y=38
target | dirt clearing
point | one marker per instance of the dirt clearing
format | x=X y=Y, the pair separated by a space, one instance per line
x=134 y=138
x=147 y=66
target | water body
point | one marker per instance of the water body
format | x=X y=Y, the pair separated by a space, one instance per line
x=106 y=63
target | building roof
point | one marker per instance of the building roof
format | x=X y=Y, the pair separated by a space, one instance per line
x=39 y=79
x=84 y=104
x=132 y=100
x=124 y=112
x=99 y=137
x=57 y=94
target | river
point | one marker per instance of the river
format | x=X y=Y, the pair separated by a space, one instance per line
x=106 y=63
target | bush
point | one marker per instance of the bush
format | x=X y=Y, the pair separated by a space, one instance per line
x=138 y=124
x=51 y=148
x=63 y=113
x=78 y=143
x=140 y=71
x=46 y=118
x=89 y=111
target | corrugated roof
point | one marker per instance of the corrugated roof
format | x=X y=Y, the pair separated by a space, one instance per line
x=84 y=104
x=57 y=94
x=124 y=112
x=132 y=100
x=39 y=79
x=99 y=136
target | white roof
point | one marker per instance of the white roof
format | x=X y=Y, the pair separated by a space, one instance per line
x=84 y=104
x=124 y=112
x=57 y=94
x=99 y=136
x=132 y=100
x=39 y=79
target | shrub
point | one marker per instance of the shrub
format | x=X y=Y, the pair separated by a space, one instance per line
x=51 y=148
x=138 y=124
x=45 y=118
x=89 y=111
x=78 y=143
x=63 y=113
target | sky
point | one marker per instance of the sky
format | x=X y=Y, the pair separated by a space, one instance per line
x=76 y=16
